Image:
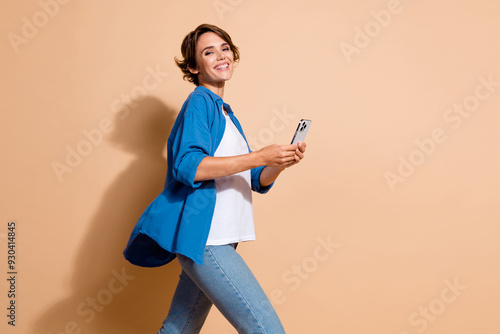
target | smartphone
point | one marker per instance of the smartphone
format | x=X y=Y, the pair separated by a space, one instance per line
x=300 y=133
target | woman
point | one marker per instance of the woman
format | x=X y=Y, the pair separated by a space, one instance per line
x=205 y=209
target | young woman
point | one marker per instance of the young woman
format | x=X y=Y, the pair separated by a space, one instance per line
x=205 y=209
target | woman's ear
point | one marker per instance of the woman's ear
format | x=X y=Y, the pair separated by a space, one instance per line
x=193 y=71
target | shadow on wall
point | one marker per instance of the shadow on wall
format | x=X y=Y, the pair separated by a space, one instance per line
x=109 y=295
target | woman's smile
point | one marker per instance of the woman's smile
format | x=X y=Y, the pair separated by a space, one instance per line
x=222 y=67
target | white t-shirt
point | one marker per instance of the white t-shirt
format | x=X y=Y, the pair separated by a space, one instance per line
x=233 y=216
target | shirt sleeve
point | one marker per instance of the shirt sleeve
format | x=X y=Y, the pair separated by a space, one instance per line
x=192 y=142
x=255 y=178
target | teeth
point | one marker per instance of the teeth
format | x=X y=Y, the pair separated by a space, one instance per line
x=220 y=67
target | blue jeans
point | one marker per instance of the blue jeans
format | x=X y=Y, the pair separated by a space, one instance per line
x=225 y=281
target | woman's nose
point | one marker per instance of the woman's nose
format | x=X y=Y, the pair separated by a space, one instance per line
x=220 y=55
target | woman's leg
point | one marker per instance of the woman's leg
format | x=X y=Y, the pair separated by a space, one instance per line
x=230 y=285
x=188 y=310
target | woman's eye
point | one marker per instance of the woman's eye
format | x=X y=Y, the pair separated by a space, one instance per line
x=208 y=53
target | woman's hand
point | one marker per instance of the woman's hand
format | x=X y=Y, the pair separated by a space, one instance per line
x=299 y=152
x=282 y=156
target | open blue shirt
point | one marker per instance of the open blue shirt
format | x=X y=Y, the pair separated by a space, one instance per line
x=178 y=220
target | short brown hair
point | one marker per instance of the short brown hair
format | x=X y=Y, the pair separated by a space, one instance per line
x=188 y=50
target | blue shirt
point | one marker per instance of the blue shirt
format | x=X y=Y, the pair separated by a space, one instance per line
x=178 y=220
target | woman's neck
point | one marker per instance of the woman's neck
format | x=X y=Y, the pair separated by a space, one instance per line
x=216 y=89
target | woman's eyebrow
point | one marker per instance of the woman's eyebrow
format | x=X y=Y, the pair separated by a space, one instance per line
x=211 y=46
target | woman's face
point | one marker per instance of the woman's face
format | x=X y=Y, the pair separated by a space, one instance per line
x=214 y=59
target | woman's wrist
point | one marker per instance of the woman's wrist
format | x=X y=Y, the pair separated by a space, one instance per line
x=269 y=175
x=257 y=158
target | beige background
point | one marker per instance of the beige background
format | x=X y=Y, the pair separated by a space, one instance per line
x=395 y=248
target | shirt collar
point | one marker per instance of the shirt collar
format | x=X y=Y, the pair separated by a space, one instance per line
x=215 y=97
x=206 y=90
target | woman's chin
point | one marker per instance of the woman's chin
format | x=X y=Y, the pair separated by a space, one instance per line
x=225 y=76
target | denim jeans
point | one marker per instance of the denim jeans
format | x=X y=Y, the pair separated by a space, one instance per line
x=225 y=281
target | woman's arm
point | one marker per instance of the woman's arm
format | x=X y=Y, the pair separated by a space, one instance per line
x=276 y=156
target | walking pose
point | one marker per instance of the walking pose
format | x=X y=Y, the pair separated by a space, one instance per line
x=205 y=209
